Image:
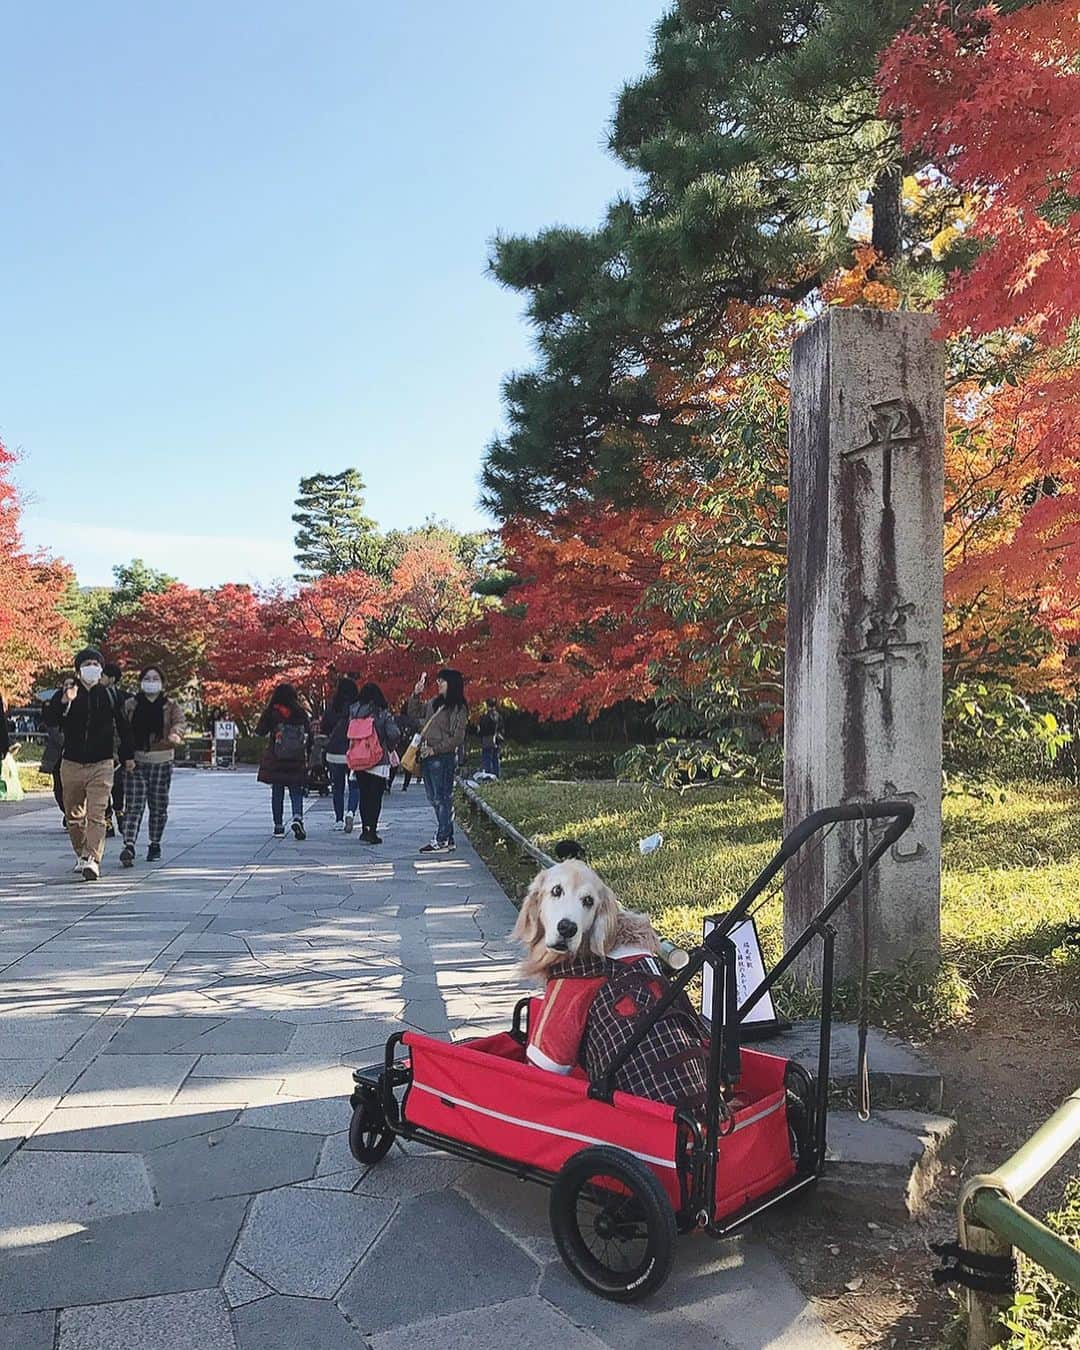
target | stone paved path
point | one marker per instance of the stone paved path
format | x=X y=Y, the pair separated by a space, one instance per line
x=174 y=1052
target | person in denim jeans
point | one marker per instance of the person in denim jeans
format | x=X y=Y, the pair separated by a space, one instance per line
x=490 y=729
x=284 y=762
x=444 y=720
x=335 y=725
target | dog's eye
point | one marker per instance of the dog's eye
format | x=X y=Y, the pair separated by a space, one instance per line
x=587 y=901
x=556 y=892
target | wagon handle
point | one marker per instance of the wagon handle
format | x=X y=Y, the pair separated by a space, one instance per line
x=901 y=814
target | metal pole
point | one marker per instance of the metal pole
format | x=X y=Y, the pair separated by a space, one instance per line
x=1033 y=1238
x=1046 y=1147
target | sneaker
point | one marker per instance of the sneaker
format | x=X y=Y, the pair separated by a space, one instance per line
x=348 y=823
x=153 y=853
x=374 y=838
x=297 y=828
x=90 y=869
x=449 y=847
x=338 y=827
x=434 y=847
x=127 y=856
x=78 y=865
x=279 y=831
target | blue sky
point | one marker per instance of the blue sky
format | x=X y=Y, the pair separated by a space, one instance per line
x=242 y=242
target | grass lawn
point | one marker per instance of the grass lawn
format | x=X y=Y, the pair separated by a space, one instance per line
x=28 y=757
x=1010 y=878
x=560 y=760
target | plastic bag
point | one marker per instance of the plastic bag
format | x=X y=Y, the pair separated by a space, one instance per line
x=11 y=789
x=650 y=843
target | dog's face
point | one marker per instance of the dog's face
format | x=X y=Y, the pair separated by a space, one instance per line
x=568 y=911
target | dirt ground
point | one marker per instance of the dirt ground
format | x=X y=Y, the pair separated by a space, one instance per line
x=1005 y=1073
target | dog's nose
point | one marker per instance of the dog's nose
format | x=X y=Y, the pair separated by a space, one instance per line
x=567 y=928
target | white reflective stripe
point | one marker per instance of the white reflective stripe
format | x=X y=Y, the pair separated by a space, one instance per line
x=543 y=1129
x=542 y=1061
x=753 y=1120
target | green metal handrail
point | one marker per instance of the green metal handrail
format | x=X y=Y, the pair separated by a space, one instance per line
x=1033 y=1238
x=991 y=1221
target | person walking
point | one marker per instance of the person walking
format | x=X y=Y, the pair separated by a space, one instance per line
x=373 y=736
x=111 y=675
x=443 y=721
x=335 y=726
x=284 y=761
x=490 y=729
x=157 y=728
x=90 y=717
x=408 y=729
x=51 y=757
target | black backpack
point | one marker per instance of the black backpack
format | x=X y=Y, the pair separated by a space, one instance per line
x=288 y=742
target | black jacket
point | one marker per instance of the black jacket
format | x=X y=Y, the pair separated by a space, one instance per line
x=335 y=725
x=5 y=739
x=91 y=723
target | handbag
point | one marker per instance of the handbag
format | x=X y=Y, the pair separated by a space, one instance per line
x=410 y=760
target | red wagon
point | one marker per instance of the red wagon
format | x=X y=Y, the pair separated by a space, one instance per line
x=628 y=1174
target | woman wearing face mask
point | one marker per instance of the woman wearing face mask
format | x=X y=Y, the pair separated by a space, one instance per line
x=157 y=728
x=90 y=716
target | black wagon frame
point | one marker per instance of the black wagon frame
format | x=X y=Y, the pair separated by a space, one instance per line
x=376 y=1086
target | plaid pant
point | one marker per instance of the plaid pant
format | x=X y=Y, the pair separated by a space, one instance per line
x=147 y=784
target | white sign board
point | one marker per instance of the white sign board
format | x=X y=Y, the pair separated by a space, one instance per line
x=224 y=731
x=749 y=972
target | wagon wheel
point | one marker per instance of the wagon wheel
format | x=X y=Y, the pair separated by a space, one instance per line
x=370 y=1137
x=801 y=1119
x=613 y=1224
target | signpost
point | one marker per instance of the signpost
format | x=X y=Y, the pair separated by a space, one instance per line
x=761 y=1021
x=223 y=749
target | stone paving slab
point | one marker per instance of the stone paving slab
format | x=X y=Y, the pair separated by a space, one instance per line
x=535 y=1324
x=307 y=1242
x=232 y=1161
x=172 y=1250
x=298 y=1323
x=178 y=1172
x=195 y=1321
x=28 y=1331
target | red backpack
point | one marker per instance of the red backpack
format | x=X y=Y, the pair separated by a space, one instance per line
x=365 y=749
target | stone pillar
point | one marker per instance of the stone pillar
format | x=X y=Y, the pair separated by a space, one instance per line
x=864 y=604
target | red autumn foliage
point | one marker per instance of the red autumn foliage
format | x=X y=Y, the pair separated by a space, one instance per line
x=34 y=634
x=994 y=101
x=576 y=634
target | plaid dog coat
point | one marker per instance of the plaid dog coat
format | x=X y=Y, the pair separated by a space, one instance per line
x=592 y=1008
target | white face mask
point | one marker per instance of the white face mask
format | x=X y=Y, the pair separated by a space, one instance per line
x=151 y=687
x=90 y=674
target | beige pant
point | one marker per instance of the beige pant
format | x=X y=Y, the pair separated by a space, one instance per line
x=86 y=790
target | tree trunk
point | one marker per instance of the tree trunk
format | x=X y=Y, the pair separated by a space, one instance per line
x=885 y=205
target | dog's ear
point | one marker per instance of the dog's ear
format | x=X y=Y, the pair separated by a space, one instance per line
x=527 y=929
x=605 y=925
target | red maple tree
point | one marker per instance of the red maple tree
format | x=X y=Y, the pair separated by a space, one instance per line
x=34 y=633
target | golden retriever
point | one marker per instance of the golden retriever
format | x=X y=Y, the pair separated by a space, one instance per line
x=569 y=911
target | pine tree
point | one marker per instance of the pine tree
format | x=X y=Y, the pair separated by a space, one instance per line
x=756 y=138
x=132 y=580
x=334 y=534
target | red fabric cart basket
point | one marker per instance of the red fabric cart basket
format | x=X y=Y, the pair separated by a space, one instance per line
x=483 y=1093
